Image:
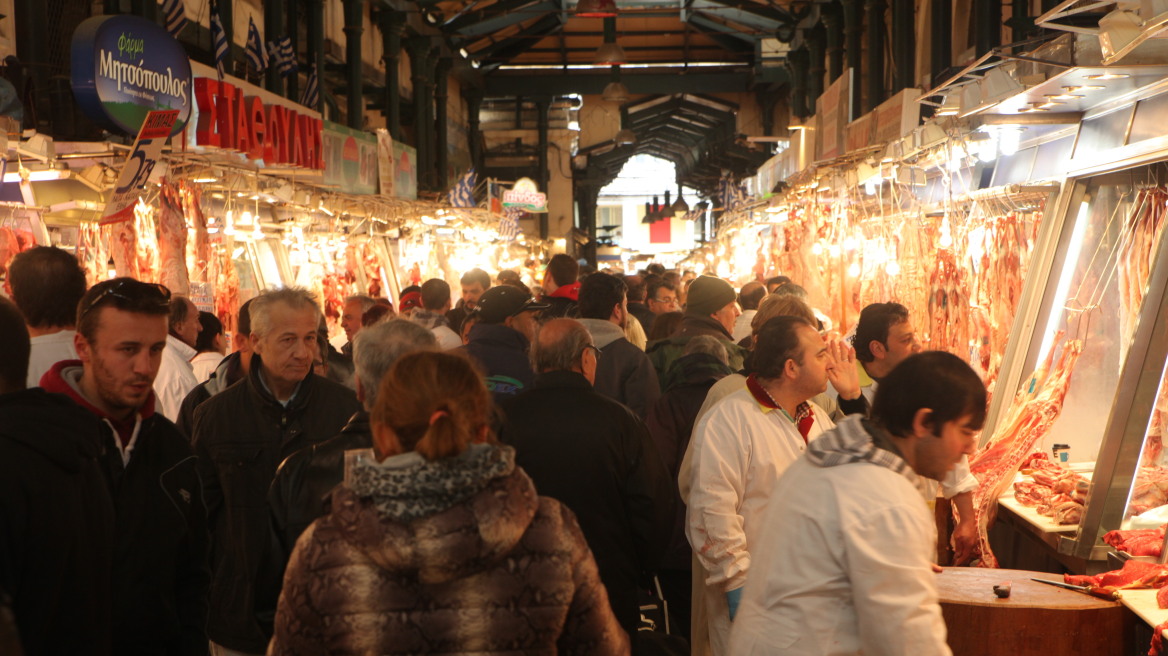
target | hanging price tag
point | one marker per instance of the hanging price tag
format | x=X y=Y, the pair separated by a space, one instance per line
x=136 y=171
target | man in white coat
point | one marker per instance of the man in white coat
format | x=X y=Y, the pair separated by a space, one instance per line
x=847 y=565
x=884 y=338
x=739 y=450
x=176 y=375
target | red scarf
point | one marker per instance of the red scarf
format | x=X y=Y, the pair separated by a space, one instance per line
x=569 y=291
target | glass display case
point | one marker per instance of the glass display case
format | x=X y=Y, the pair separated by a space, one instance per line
x=1106 y=285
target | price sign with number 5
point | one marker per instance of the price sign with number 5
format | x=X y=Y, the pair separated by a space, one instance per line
x=136 y=171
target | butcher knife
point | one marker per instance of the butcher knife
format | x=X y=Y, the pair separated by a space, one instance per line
x=1094 y=592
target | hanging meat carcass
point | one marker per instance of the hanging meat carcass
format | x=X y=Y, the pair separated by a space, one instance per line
x=948 y=306
x=123 y=243
x=93 y=253
x=1029 y=418
x=1140 y=239
x=13 y=242
x=226 y=290
x=172 y=241
x=199 y=260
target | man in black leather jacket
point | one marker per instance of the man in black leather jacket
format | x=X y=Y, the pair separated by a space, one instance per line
x=297 y=495
x=241 y=435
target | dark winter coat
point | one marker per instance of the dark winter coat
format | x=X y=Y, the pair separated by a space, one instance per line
x=671 y=424
x=490 y=569
x=502 y=352
x=623 y=372
x=56 y=525
x=663 y=352
x=240 y=436
x=160 y=574
x=229 y=372
x=594 y=456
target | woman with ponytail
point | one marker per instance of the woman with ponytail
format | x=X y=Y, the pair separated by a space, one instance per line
x=441 y=544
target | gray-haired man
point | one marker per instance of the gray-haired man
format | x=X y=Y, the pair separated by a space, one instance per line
x=241 y=435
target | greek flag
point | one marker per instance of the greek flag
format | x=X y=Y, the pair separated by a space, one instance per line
x=218 y=37
x=283 y=56
x=509 y=223
x=176 y=16
x=733 y=193
x=256 y=57
x=462 y=195
x=311 y=95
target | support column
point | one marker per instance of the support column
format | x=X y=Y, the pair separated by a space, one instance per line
x=941 y=49
x=474 y=103
x=355 y=92
x=815 y=39
x=853 y=39
x=419 y=49
x=987 y=17
x=315 y=10
x=767 y=101
x=274 y=28
x=227 y=15
x=833 y=27
x=875 y=75
x=586 y=197
x=441 y=97
x=32 y=22
x=542 y=107
x=291 y=22
x=392 y=25
x=798 y=61
x=904 y=44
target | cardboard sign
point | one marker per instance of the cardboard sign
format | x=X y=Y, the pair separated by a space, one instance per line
x=136 y=171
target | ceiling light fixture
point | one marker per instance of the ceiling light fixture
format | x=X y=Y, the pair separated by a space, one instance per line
x=680 y=207
x=615 y=91
x=596 y=8
x=610 y=53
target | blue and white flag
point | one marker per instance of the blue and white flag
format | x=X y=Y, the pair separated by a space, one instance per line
x=462 y=195
x=176 y=16
x=218 y=37
x=283 y=56
x=509 y=223
x=733 y=194
x=311 y=95
x=256 y=56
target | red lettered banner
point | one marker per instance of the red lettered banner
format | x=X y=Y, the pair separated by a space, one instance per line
x=136 y=171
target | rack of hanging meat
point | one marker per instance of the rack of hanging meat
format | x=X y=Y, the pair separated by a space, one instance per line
x=959 y=273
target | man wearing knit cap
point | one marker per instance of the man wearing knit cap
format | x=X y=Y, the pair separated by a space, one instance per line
x=711 y=308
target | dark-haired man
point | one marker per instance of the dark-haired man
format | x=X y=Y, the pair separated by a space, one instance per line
x=885 y=337
x=742 y=445
x=501 y=337
x=46 y=283
x=435 y=296
x=637 y=307
x=56 y=517
x=231 y=370
x=749 y=297
x=624 y=373
x=474 y=284
x=660 y=298
x=848 y=566
x=160 y=558
x=561 y=286
x=176 y=375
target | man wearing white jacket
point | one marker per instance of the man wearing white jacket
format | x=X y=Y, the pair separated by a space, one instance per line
x=742 y=446
x=847 y=564
x=176 y=375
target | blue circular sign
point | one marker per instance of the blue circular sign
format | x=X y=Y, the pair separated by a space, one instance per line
x=125 y=66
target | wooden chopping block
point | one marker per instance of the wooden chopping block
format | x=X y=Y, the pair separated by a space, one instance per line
x=1036 y=619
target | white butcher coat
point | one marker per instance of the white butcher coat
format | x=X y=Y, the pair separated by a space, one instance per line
x=738 y=451
x=176 y=377
x=849 y=570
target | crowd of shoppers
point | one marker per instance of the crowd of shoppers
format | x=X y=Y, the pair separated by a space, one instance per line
x=511 y=473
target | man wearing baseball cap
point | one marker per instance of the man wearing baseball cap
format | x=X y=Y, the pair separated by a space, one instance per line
x=711 y=309
x=501 y=338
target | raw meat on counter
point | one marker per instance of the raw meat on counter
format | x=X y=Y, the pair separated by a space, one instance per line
x=1137 y=542
x=1135 y=575
x=1034 y=410
x=1053 y=490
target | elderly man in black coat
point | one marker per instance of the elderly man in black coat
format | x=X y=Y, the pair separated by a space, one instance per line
x=596 y=457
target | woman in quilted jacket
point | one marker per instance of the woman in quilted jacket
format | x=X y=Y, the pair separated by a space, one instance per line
x=442 y=546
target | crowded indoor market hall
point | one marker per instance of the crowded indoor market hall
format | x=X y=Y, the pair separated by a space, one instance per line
x=712 y=327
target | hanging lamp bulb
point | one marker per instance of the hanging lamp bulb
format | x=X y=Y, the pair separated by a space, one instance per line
x=680 y=206
x=610 y=54
x=615 y=92
x=596 y=8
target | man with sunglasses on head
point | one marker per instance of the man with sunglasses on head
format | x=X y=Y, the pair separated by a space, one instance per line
x=240 y=436
x=160 y=570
